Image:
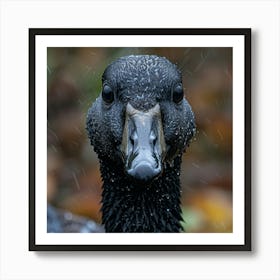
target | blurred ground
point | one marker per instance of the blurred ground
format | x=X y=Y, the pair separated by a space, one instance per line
x=74 y=81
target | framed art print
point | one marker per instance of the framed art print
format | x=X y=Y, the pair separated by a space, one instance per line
x=140 y=139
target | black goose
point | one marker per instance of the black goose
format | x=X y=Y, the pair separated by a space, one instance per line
x=139 y=127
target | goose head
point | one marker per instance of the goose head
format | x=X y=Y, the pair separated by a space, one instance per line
x=141 y=120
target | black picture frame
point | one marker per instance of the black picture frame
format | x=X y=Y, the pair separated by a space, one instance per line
x=33 y=246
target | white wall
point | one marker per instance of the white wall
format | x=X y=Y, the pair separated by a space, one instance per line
x=17 y=262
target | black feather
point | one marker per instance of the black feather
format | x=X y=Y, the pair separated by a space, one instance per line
x=143 y=81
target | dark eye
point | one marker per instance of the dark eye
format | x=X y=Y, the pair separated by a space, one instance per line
x=107 y=94
x=178 y=93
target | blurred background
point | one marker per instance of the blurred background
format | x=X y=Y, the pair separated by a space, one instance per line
x=74 y=82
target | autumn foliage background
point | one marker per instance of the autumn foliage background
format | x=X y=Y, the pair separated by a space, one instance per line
x=74 y=82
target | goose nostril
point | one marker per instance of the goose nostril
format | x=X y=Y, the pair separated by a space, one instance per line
x=153 y=139
x=133 y=138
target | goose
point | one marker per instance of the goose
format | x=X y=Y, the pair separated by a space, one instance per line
x=139 y=126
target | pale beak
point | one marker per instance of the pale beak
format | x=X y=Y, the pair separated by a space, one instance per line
x=143 y=146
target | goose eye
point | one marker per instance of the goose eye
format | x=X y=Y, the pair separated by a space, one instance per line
x=178 y=93
x=107 y=94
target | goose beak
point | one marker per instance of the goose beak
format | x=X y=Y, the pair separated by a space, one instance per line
x=143 y=146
